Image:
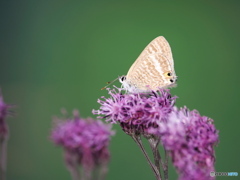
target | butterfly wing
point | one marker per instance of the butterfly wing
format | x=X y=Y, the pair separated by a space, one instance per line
x=158 y=45
x=152 y=66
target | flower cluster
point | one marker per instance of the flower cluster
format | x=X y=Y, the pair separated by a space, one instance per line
x=85 y=141
x=136 y=112
x=190 y=139
x=187 y=137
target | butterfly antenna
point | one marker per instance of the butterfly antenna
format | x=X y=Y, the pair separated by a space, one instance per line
x=109 y=83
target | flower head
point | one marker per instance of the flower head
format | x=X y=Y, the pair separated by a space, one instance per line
x=190 y=138
x=4 y=111
x=86 y=140
x=138 y=111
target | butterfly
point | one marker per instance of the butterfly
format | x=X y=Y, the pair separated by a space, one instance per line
x=153 y=69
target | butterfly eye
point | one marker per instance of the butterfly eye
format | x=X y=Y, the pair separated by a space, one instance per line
x=123 y=78
x=169 y=74
x=171 y=80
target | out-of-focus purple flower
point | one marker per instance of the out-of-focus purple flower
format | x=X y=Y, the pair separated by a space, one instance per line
x=4 y=133
x=85 y=141
x=190 y=138
x=4 y=111
x=136 y=112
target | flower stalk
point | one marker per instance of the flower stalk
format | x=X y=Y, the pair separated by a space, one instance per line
x=3 y=157
x=71 y=162
x=137 y=139
x=165 y=166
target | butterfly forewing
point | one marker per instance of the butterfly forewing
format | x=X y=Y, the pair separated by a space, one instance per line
x=158 y=45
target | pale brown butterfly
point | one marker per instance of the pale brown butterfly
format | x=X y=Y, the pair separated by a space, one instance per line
x=153 y=69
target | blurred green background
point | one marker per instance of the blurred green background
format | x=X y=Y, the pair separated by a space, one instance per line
x=58 y=53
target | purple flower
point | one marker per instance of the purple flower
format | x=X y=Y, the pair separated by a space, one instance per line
x=137 y=112
x=190 y=139
x=4 y=111
x=85 y=141
x=4 y=133
x=185 y=135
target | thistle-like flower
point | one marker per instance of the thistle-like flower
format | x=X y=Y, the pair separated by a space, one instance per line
x=190 y=139
x=85 y=142
x=138 y=112
x=139 y=115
